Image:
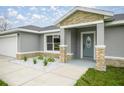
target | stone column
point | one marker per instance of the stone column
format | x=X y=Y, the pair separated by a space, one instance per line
x=63 y=53
x=63 y=47
x=100 y=58
x=100 y=48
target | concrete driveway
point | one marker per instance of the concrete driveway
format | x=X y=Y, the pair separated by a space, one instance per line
x=65 y=74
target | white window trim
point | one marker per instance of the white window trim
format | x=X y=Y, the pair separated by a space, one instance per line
x=45 y=43
x=81 y=42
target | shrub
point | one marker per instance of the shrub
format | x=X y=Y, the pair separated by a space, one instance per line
x=50 y=59
x=25 y=58
x=34 y=61
x=2 y=83
x=40 y=57
x=45 y=62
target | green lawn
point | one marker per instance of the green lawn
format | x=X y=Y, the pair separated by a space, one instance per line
x=2 y=83
x=114 y=76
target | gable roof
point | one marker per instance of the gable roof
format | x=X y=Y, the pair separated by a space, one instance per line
x=85 y=9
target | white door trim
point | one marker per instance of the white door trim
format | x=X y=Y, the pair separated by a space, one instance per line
x=88 y=32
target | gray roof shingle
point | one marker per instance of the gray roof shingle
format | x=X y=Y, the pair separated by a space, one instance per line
x=118 y=17
x=32 y=27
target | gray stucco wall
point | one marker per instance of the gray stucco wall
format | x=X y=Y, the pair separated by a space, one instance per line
x=114 y=41
x=114 y=37
x=42 y=42
x=28 y=42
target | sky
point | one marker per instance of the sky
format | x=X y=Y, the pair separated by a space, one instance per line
x=41 y=15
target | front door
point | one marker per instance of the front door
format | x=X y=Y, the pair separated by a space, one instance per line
x=88 y=45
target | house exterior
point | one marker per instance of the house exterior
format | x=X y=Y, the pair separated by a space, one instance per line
x=83 y=33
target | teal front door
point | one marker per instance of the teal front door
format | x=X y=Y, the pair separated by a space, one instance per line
x=88 y=45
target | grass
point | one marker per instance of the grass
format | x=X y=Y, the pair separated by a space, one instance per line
x=114 y=76
x=2 y=83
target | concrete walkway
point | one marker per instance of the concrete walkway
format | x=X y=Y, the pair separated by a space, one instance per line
x=65 y=74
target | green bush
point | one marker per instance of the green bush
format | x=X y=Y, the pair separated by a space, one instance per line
x=2 y=83
x=45 y=62
x=50 y=59
x=25 y=58
x=40 y=57
x=34 y=61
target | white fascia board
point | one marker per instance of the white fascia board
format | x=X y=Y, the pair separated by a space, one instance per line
x=66 y=15
x=49 y=31
x=29 y=31
x=12 y=35
x=8 y=31
x=18 y=29
x=97 y=11
x=82 y=24
x=115 y=23
x=92 y=10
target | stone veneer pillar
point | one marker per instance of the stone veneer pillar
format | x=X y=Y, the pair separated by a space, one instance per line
x=63 y=53
x=100 y=58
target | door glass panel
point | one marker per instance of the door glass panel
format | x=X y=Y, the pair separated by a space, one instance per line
x=88 y=42
x=88 y=45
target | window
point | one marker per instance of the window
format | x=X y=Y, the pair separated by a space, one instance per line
x=52 y=42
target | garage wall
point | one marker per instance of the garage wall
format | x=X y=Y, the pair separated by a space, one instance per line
x=28 y=42
x=114 y=41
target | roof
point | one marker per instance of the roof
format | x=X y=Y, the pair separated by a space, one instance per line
x=52 y=27
x=36 y=28
x=86 y=9
x=31 y=27
x=118 y=17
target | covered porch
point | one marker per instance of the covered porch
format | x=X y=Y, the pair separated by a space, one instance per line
x=82 y=35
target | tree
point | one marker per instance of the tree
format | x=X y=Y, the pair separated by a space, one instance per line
x=4 y=23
